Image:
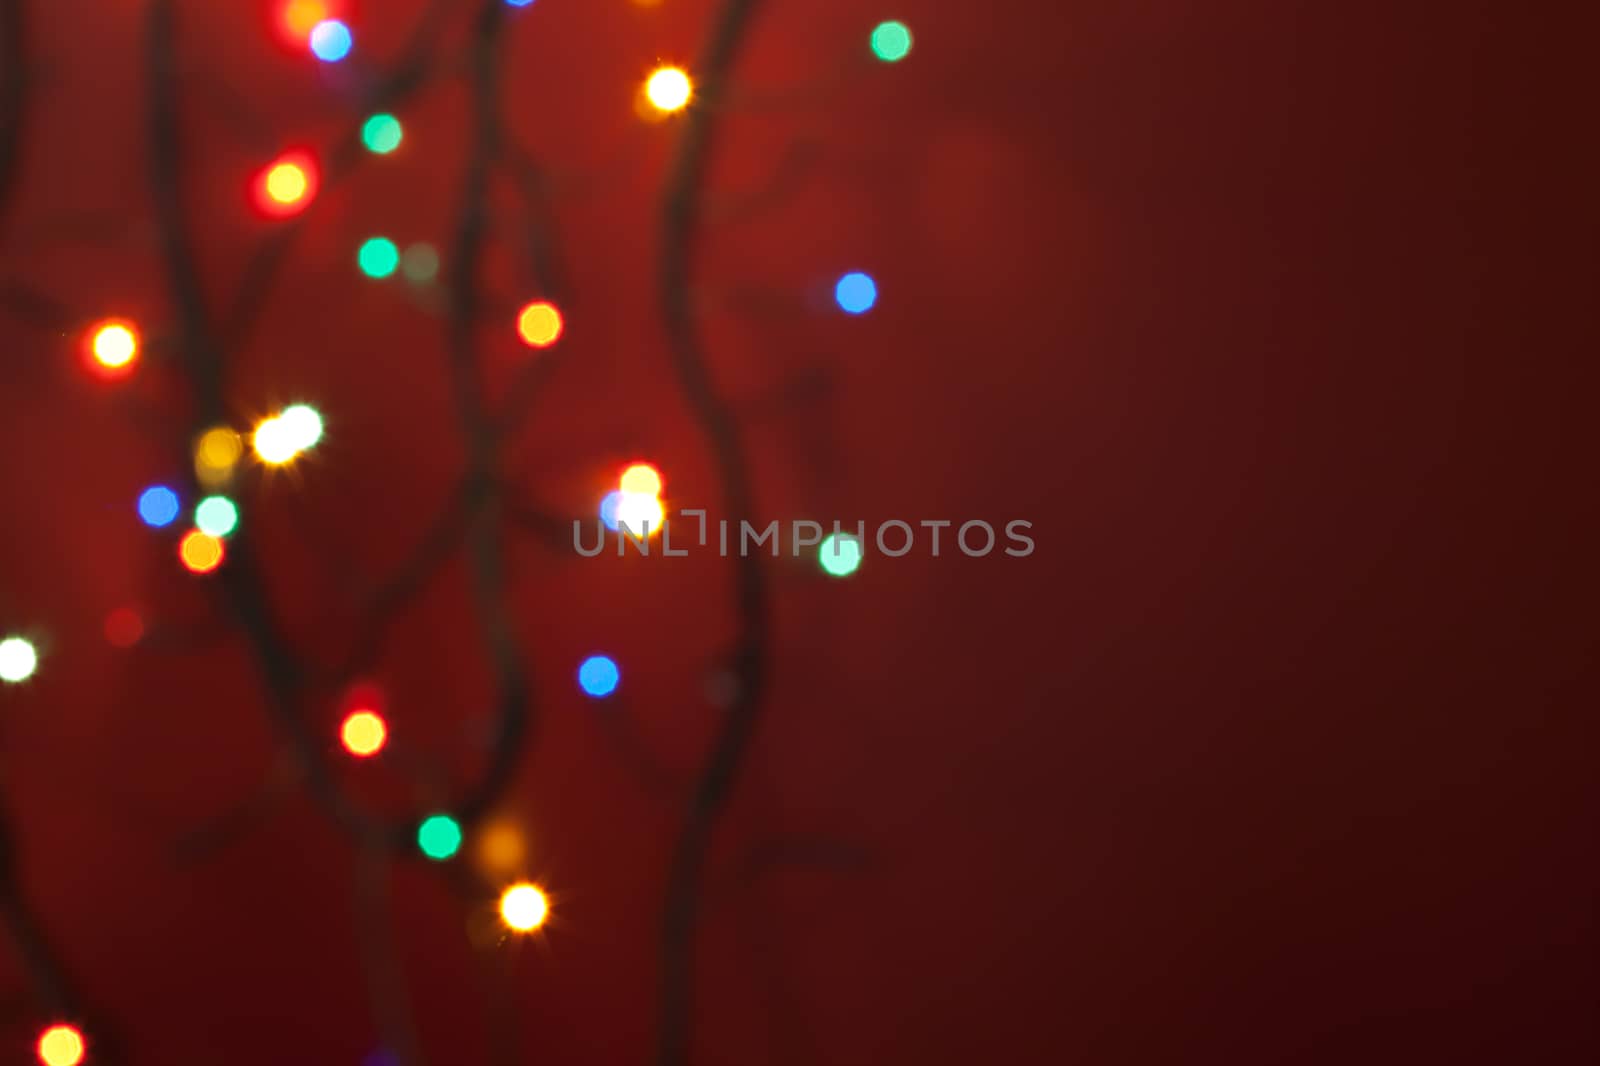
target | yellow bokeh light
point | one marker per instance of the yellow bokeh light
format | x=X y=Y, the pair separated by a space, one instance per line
x=275 y=442
x=200 y=552
x=115 y=345
x=540 y=324
x=363 y=733
x=501 y=849
x=61 y=1045
x=216 y=453
x=524 y=907
x=668 y=89
x=287 y=183
x=640 y=515
x=641 y=479
x=300 y=17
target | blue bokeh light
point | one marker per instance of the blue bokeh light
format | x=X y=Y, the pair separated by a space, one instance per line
x=598 y=676
x=520 y=3
x=856 y=292
x=331 y=41
x=158 y=506
x=608 y=509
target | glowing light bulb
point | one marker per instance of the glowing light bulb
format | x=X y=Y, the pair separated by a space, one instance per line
x=378 y=257
x=200 y=552
x=158 y=506
x=382 y=134
x=641 y=479
x=274 y=442
x=114 y=346
x=363 y=734
x=216 y=516
x=669 y=89
x=856 y=293
x=840 y=554
x=331 y=40
x=640 y=515
x=439 y=837
x=300 y=17
x=18 y=659
x=524 y=907
x=303 y=424
x=598 y=676
x=216 y=453
x=286 y=185
x=540 y=324
x=891 y=41
x=61 y=1045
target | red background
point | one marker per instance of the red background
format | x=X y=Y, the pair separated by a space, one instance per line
x=1272 y=752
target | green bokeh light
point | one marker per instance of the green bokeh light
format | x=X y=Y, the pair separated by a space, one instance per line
x=421 y=263
x=382 y=134
x=439 y=837
x=378 y=257
x=891 y=41
x=840 y=554
x=216 y=516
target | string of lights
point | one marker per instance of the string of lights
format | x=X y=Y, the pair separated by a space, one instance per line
x=206 y=514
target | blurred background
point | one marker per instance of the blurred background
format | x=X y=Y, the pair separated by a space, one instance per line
x=1274 y=750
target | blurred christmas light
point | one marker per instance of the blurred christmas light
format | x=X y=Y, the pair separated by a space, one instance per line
x=158 y=506
x=285 y=186
x=363 y=733
x=331 y=40
x=216 y=453
x=61 y=1045
x=598 y=676
x=216 y=516
x=640 y=515
x=378 y=257
x=114 y=346
x=669 y=89
x=891 y=41
x=300 y=17
x=200 y=552
x=856 y=293
x=124 y=628
x=520 y=3
x=608 y=509
x=540 y=324
x=274 y=442
x=641 y=479
x=840 y=554
x=382 y=134
x=303 y=423
x=501 y=849
x=439 y=837
x=524 y=907
x=18 y=659
x=420 y=263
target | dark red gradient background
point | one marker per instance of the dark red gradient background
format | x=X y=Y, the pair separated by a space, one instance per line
x=1276 y=751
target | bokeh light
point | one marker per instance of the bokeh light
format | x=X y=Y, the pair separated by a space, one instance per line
x=216 y=516
x=598 y=676
x=200 y=552
x=439 y=837
x=18 y=659
x=524 y=907
x=378 y=257
x=520 y=3
x=501 y=849
x=124 y=627
x=420 y=263
x=61 y=1045
x=640 y=515
x=331 y=40
x=303 y=425
x=275 y=442
x=668 y=89
x=891 y=41
x=856 y=293
x=216 y=453
x=539 y=325
x=608 y=508
x=300 y=17
x=286 y=185
x=114 y=347
x=158 y=506
x=641 y=479
x=382 y=133
x=363 y=733
x=840 y=554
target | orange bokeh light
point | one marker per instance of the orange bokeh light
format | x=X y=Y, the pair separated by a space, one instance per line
x=200 y=552
x=300 y=17
x=641 y=479
x=540 y=324
x=61 y=1045
x=286 y=185
x=363 y=734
